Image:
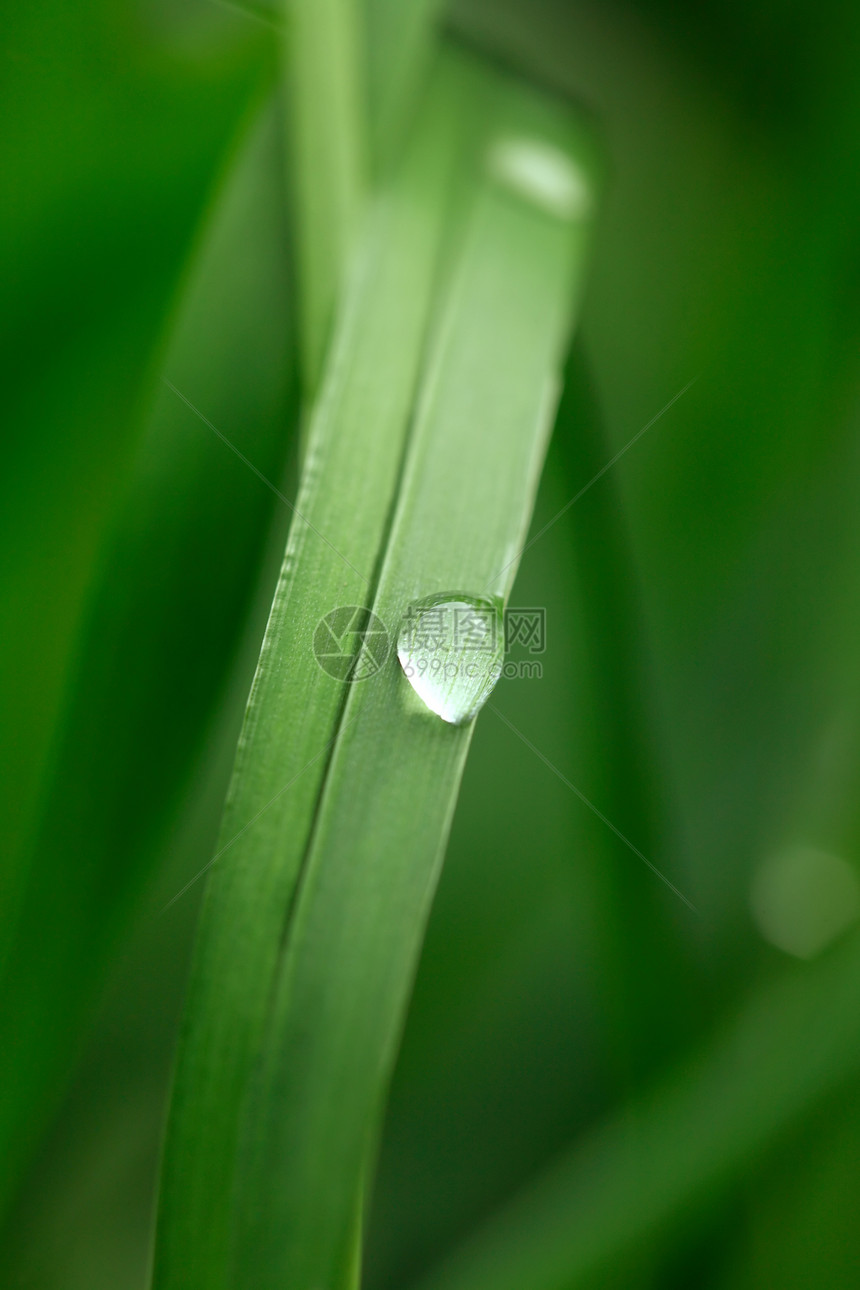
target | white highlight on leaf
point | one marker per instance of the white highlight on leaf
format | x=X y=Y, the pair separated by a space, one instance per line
x=542 y=174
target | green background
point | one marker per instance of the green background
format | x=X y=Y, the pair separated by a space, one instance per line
x=700 y=684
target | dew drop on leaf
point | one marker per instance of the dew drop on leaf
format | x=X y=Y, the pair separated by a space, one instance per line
x=451 y=648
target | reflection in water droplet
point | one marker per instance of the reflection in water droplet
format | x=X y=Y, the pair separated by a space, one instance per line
x=451 y=648
x=802 y=899
x=542 y=174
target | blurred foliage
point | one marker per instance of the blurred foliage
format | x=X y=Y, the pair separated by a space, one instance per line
x=112 y=134
x=700 y=683
x=135 y=564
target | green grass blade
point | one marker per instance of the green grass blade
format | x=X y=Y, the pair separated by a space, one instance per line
x=399 y=44
x=172 y=596
x=89 y=110
x=354 y=457
x=327 y=128
x=794 y=1042
x=463 y=510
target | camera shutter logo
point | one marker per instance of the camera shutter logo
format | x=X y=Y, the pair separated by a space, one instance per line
x=351 y=643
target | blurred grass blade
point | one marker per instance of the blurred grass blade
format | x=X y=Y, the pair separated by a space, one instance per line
x=399 y=44
x=108 y=150
x=326 y=119
x=343 y=509
x=796 y=1041
x=624 y=754
x=355 y=932
x=171 y=600
x=355 y=69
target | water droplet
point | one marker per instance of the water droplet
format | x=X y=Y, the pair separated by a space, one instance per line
x=451 y=648
x=802 y=899
x=542 y=174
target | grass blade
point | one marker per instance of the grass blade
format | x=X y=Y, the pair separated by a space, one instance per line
x=326 y=123
x=399 y=50
x=463 y=510
x=354 y=458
